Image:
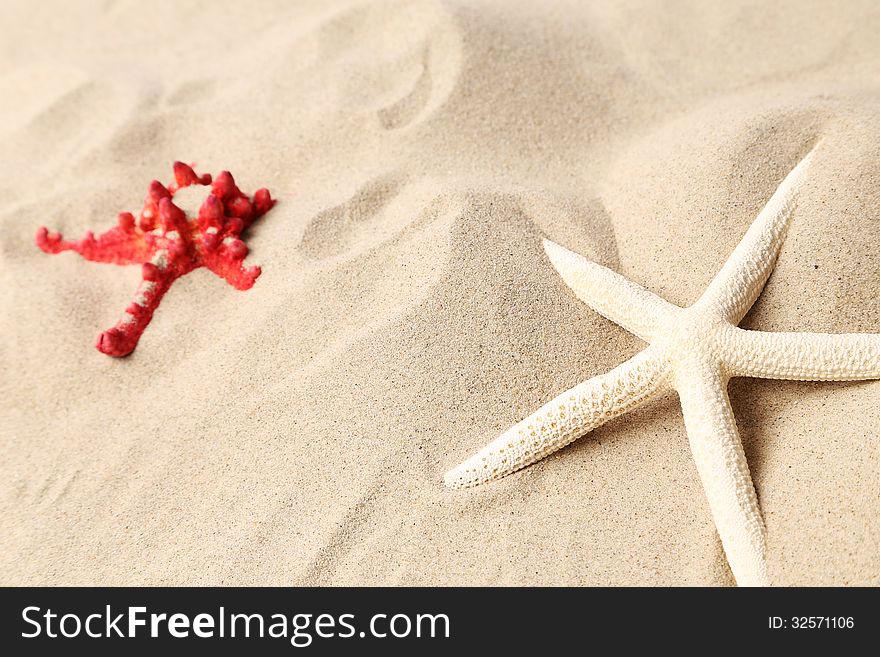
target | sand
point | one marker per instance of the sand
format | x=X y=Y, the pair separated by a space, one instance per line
x=297 y=433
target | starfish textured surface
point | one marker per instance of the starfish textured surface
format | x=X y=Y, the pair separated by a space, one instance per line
x=695 y=350
x=168 y=245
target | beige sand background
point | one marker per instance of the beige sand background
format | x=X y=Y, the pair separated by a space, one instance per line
x=297 y=433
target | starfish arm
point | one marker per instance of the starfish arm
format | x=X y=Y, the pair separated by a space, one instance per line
x=611 y=295
x=232 y=270
x=564 y=419
x=122 y=338
x=118 y=245
x=802 y=356
x=739 y=283
x=721 y=464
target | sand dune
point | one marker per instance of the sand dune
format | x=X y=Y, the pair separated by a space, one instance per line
x=297 y=433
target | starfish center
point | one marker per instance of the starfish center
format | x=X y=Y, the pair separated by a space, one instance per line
x=692 y=336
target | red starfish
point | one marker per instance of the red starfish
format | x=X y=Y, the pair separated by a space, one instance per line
x=169 y=244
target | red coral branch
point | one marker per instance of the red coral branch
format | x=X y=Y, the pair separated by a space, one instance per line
x=169 y=245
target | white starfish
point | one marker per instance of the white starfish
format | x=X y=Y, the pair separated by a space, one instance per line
x=695 y=350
